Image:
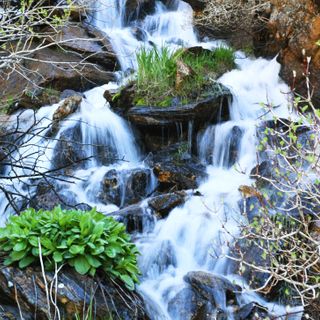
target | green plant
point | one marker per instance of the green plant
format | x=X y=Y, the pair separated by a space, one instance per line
x=157 y=74
x=86 y=241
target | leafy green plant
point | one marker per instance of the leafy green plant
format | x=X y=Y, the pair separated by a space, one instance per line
x=157 y=72
x=86 y=241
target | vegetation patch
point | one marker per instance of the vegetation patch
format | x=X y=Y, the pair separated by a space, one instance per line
x=87 y=241
x=165 y=78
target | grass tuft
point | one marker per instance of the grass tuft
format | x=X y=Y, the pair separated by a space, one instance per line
x=157 y=69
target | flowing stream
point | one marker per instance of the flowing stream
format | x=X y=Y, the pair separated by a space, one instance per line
x=200 y=230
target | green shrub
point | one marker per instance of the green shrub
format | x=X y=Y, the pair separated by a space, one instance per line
x=157 y=69
x=86 y=241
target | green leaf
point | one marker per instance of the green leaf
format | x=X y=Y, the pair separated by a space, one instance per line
x=127 y=281
x=57 y=256
x=26 y=261
x=76 y=249
x=94 y=262
x=20 y=246
x=81 y=265
x=17 y=255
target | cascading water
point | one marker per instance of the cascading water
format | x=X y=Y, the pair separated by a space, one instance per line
x=207 y=222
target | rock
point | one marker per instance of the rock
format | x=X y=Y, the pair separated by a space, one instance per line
x=162 y=126
x=253 y=255
x=284 y=33
x=184 y=72
x=251 y=311
x=138 y=9
x=203 y=111
x=164 y=203
x=121 y=101
x=197 y=5
x=74 y=294
x=37 y=98
x=69 y=151
x=70 y=93
x=136 y=218
x=175 y=170
x=48 y=196
x=69 y=105
x=66 y=70
x=126 y=187
x=218 y=290
x=188 y=305
x=92 y=44
x=141 y=217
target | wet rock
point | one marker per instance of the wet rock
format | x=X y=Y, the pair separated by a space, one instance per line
x=69 y=151
x=48 y=195
x=139 y=33
x=125 y=187
x=141 y=217
x=189 y=305
x=136 y=218
x=218 y=290
x=138 y=9
x=164 y=203
x=201 y=111
x=74 y=294
x=70 y=105
x=121 y=101
x=186 y=305
x=251 y=311
x=252 y=253
x=176 y=169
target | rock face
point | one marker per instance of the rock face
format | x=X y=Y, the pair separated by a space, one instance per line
x=111 y=299
x=163 y=126
x=176 y=169
x=294 y=26
x=126 y=187
x=79 y=64
x=138 y=9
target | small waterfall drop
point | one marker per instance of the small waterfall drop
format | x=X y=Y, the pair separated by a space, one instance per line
x=204 y=226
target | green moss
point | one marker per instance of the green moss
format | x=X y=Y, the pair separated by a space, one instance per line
x=157 y=70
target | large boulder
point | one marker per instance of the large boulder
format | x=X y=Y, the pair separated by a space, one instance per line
x=91 y=43
x=74 y=295
x=84 y=59
x=293 y=29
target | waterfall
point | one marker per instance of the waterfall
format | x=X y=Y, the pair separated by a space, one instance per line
x=205 y=225
x=194 y=234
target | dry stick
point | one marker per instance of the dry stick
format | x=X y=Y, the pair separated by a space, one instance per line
x=55 y=282
x=44 y=278
x=17 y=300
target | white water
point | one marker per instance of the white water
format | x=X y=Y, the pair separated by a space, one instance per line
x=199 y=230
x=206 y=224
